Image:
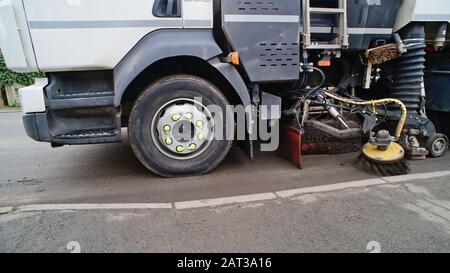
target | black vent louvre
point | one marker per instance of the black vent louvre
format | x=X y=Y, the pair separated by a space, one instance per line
x=284 y=54
x=258 y=6
x=273 y=7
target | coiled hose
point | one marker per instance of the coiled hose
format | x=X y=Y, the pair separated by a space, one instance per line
x=408 y=76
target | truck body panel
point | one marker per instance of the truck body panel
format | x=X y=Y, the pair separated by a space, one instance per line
x=422 y=11
x=85 y=35
x=89 y=35
x=15 y=39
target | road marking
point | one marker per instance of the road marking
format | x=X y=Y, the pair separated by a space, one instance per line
x=6 y=210
x=328 y=188
x=225 y=201
x=410 y=177
x=217 y=202
x=59 y=207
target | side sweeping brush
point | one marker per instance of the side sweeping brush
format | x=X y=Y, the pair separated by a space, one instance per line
x=382 y=155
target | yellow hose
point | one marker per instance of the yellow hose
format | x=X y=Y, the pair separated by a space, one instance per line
x=374 y=103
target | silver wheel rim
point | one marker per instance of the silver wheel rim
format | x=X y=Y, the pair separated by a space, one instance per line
x=439 y=146
x=182 y=129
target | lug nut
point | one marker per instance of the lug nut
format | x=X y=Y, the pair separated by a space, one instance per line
x=169 y=141
x=180 y=149
x=192 y=147
x=176 y=117
x=189 y=116
x=167 y=128
x=201 y=136
x=199 y=124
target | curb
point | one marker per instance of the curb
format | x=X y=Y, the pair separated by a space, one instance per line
x=6 y=210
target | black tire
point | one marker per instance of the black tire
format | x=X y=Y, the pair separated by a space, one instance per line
x=439 y=151
x=147 y=106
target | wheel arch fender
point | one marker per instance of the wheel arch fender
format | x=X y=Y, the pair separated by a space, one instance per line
x=231 y=74
x=160 y=45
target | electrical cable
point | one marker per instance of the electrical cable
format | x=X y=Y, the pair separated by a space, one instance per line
x=312 y=91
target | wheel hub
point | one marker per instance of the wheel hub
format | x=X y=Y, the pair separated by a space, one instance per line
x=182 y=129
x=439 y=145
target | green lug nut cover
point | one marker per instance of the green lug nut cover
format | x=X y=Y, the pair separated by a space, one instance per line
x=169 y=141
x=167 y=128
x=176 y=117
x=201 y=136
x=199 y=124
x=189 y=115
x=192 y=147
x=180 y=149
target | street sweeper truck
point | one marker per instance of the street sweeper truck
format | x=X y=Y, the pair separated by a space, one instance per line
x=189 y=78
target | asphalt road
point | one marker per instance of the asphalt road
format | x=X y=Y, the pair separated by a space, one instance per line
x=399 y=218
x=407 y=217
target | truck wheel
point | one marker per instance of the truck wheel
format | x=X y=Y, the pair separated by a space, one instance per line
x=174 y=132
x=437 y=145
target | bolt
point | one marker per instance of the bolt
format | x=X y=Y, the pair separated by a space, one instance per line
x=180 y=149
x=167 y=128
x=189 y=116
x=201 y=136
x=176 y=117
x=169 y=141
x=383 y=134
x=199 y=124
x=192 y=147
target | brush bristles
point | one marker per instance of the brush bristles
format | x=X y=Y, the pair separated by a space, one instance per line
x=383 y=169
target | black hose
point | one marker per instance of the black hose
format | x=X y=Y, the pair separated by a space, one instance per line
x=312 y=91
x=408 y=76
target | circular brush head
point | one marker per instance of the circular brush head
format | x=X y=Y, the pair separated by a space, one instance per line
x=383 y=169
x=388 y=162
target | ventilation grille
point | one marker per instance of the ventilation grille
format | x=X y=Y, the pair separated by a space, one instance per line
x=258 y=6
x=278 y=55
x=267 y=7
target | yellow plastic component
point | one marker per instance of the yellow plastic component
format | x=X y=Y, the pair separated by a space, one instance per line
x=201 y=136
x=176 y=117
x=169 y=141
x=180 y=149
x=394 y=153
x=199 y=124
x=193 y=147
x=188 y=116
x=167 y=128
x=374 y=103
